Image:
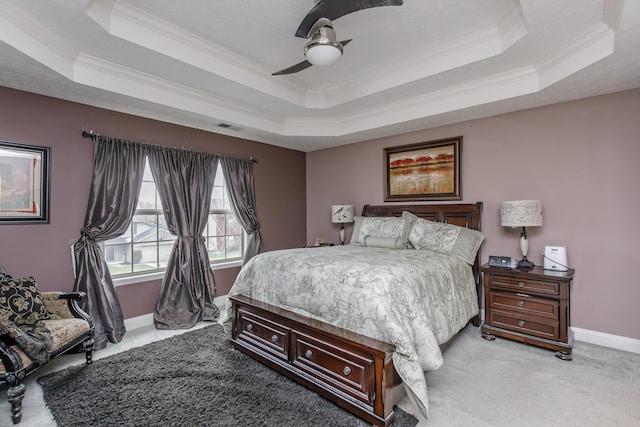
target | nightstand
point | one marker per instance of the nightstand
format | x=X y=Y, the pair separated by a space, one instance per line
x=321 y=245
x=530 y=306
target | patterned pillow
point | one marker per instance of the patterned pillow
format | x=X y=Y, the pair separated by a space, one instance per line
x=446 y=238
x=392 y=227
x=20 y=301
x=4 y=275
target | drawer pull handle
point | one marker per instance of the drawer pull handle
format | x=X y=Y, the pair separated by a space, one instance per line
x=520 y=303
x=274 y=338
x=521 y=284
x=521 y=323
x=346 y=370
x=249 y=327
x=308 y=354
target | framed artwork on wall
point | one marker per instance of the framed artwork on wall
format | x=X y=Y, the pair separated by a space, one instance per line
x=24 y=183
x=423 y=171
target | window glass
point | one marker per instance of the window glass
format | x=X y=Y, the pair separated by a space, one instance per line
x=146 y=245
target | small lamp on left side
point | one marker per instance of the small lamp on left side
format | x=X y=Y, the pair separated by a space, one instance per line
x=342 y=214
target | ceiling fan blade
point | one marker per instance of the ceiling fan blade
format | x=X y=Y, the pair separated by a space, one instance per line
x=334 y=9
x=294 y=68
x=345 y=42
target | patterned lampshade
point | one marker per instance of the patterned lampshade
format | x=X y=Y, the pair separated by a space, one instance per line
x=342 y=214
x=521 y=213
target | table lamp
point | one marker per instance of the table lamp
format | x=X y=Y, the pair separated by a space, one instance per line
x=342 y=214
x=522 y=213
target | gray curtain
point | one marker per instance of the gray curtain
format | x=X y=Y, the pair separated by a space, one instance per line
x=118 y=167
x=185 y=181
x=238 y=175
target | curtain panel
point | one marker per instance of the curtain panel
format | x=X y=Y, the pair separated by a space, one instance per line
x=118 y=166
x=184 y=180
x=238 y=174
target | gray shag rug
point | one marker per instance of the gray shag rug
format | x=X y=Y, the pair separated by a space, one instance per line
x=194 y=379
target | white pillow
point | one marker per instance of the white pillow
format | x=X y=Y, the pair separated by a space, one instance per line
x=393 y=227
x=355 y=236
x=412 y=220
x=446 y=238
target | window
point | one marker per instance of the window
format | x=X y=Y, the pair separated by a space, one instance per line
x=145 y=246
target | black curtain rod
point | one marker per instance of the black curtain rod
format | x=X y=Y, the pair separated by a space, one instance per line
x=89 y=134
x=93 y=137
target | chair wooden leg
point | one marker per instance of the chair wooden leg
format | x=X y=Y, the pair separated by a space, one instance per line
x=15 y=395
x=87 y=346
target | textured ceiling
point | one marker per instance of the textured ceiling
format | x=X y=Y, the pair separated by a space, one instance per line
x=427 y=63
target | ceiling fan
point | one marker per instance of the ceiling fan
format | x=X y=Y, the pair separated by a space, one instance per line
x=322 y=49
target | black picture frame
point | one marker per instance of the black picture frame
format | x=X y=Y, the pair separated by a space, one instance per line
x=424 y=171
x=25 y=180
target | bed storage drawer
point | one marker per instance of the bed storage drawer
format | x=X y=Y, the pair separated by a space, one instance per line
x=344 y=368
x=264 y=333
x=352 y=370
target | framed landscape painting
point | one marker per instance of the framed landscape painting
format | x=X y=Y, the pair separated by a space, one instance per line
x=24 y=183
x=423 y=171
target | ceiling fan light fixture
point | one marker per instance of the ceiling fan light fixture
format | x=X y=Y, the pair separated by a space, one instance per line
x=323 y=50
x=323 y=54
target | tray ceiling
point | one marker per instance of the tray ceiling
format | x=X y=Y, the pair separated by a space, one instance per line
x=208 y=64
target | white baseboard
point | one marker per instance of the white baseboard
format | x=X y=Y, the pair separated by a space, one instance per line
x=606 y=340
x=138 y=322
x=147 y=319
x=585 y=335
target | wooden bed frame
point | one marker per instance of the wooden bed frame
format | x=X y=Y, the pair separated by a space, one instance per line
x=352 y=370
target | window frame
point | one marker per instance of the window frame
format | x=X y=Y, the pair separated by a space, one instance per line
x=157 y=274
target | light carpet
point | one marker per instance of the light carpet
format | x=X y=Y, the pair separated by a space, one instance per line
x=507 y=383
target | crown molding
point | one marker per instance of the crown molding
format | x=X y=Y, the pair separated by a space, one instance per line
x=126 y=22
x=588 y=48
x=105 y=75
x=26 y=35
x=29 y=37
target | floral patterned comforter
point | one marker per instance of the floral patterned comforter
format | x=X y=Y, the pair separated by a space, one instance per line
x=414 y=299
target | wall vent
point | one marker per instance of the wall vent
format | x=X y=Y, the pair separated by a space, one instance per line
x=228 y=126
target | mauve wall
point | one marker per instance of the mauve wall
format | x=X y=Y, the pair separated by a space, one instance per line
x=43 y=251
x=581 y=159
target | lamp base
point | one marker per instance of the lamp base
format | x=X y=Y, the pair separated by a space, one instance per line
x=525 y=264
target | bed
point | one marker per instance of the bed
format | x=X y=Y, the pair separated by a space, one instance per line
x=349 y=321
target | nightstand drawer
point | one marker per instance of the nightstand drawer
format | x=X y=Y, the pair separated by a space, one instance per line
x=268 y=335
x=345 y=370
x=515 y=284
x=537 y=326
x=524 y=304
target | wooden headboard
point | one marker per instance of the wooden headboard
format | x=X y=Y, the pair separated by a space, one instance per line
x=460 y=214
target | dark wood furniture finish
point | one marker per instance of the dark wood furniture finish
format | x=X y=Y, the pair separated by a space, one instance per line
x=352 y=370
x=17 y=365
x=530 y=306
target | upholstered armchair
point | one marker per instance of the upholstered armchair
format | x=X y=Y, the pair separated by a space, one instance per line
x=63 y=328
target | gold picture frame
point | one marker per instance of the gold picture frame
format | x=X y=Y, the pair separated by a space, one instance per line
x=24 y=183
x=423 y=171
